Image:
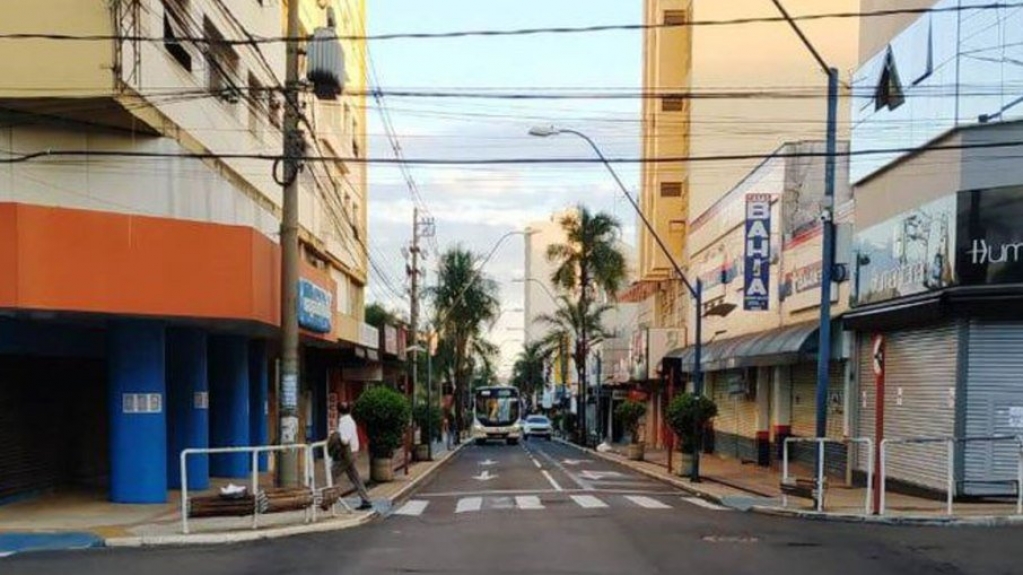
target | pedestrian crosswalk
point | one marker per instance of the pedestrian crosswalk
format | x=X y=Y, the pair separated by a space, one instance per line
x=586 y=501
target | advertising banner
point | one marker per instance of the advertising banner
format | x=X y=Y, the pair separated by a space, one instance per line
x=757 y=264
x=314 y=307
x=906 y=255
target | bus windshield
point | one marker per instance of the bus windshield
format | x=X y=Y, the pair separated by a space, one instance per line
x=497 y=406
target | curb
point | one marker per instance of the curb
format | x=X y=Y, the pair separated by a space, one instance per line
x=278 y=532
x=906 y=521
x=674 y=482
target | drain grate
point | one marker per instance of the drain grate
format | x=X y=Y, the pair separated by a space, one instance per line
x=730 y=539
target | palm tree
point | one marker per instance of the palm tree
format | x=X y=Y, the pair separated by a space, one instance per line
x=587 y=263
x=530 y=367
x=465 y=303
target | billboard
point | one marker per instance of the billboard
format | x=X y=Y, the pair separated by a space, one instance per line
x=757 y=262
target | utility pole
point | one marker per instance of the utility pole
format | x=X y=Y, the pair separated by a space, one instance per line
x=422 y=227
x=293 y=152
x=412 y=269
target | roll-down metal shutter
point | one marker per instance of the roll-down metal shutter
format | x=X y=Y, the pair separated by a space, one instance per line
x=922 y=364
x=994 y=387
x=804 y=415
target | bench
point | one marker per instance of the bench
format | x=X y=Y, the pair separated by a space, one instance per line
x=268 y=501
x=799 y=487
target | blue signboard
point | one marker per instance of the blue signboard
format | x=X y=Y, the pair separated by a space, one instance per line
x=756 y=290
x=314 y=307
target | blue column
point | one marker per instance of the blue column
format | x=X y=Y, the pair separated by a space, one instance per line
x=188 y=423
x=259 y=384
x=229 y=404
x=138 y=419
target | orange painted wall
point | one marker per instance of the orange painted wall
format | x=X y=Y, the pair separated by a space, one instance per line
x=75 y=260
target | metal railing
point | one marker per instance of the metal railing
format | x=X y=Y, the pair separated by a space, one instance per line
x=821 y=454
x=309 y=477
x=950 y=443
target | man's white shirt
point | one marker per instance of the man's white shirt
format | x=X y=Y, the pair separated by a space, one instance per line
x=348 y=432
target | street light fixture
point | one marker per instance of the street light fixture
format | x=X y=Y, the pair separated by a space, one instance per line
x=695 y=290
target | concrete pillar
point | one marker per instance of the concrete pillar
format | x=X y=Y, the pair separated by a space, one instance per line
x=188 y=423
x=138 y=420
x=229 y=404
x=259 y=385
x=781 y=406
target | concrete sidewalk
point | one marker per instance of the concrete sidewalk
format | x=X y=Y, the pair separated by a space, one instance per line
x=77 y=520
x=752 y=488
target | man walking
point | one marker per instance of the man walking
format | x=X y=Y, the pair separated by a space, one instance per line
x=344 y=448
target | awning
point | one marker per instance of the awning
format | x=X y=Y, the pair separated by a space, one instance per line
x=782 y=346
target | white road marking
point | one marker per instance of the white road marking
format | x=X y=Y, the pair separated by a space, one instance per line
x=6 y=554
x=487 y=463
x=528 y=502
x=554 y=484
x=599 y=475
x=468 y=504
x=647 y=502
x=536 y=463
x=582 y=483
x=574 y=461
x=588 y=501
x=413 y=508
x=704 y=503
x=485 y=476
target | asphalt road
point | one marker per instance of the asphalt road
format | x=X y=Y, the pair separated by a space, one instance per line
x=545 y=508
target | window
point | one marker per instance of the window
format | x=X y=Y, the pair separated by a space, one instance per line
x=671 y=189
x=889 y=90
x=221 y=62
x=257 y=98
x=674 y=104
x=175 y=31
x=674 y=17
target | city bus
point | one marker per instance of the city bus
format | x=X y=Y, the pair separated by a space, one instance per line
x=496 y=411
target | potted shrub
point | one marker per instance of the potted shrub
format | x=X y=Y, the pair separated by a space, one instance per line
x=385 y=414
x=629 y=414
x=689 y=416
x=428 y=421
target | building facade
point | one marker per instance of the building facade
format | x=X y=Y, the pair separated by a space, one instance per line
x=937 y=298
x=760 y=345
x=140 y=285
x=703 y=76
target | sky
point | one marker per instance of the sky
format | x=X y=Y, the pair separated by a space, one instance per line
x=472 y=205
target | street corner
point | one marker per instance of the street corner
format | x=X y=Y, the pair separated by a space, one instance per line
x=16 y=543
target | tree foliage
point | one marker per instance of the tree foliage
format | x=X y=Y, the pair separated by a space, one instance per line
x=385 y=414
x=466 y=304
x=530 y=367
x=688 y=416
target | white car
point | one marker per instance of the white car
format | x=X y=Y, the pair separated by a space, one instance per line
x=537 y=426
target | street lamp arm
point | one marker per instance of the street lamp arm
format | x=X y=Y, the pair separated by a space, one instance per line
x=635 y=205
x=802 y=36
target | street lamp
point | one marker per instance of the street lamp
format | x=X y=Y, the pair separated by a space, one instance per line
x=828 y=229
x=695 y=290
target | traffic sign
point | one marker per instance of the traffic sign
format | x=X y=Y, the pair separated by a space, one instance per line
x=878 y=354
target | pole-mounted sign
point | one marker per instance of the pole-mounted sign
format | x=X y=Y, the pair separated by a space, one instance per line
x=756 y=290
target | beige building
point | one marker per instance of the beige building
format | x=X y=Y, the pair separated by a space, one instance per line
x=724 y=90
x=139 y=225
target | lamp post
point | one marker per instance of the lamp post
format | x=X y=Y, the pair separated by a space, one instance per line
x=828 y=232
x=695 y=290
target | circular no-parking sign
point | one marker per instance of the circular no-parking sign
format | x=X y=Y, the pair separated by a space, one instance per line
x=878 y=354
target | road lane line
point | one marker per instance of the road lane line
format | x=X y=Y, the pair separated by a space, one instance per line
x=469 y=504
x=554 y=484
x=536 y=463
x=528 y=502
x=575 y=478
x=413 y=508
x=647 y=502
x=704 y=503
x=588 y=501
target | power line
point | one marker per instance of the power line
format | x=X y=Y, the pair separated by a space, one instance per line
x=532 y=31
x=22 y=158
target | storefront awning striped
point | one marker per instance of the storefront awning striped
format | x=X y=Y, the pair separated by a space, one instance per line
x=782 y=346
